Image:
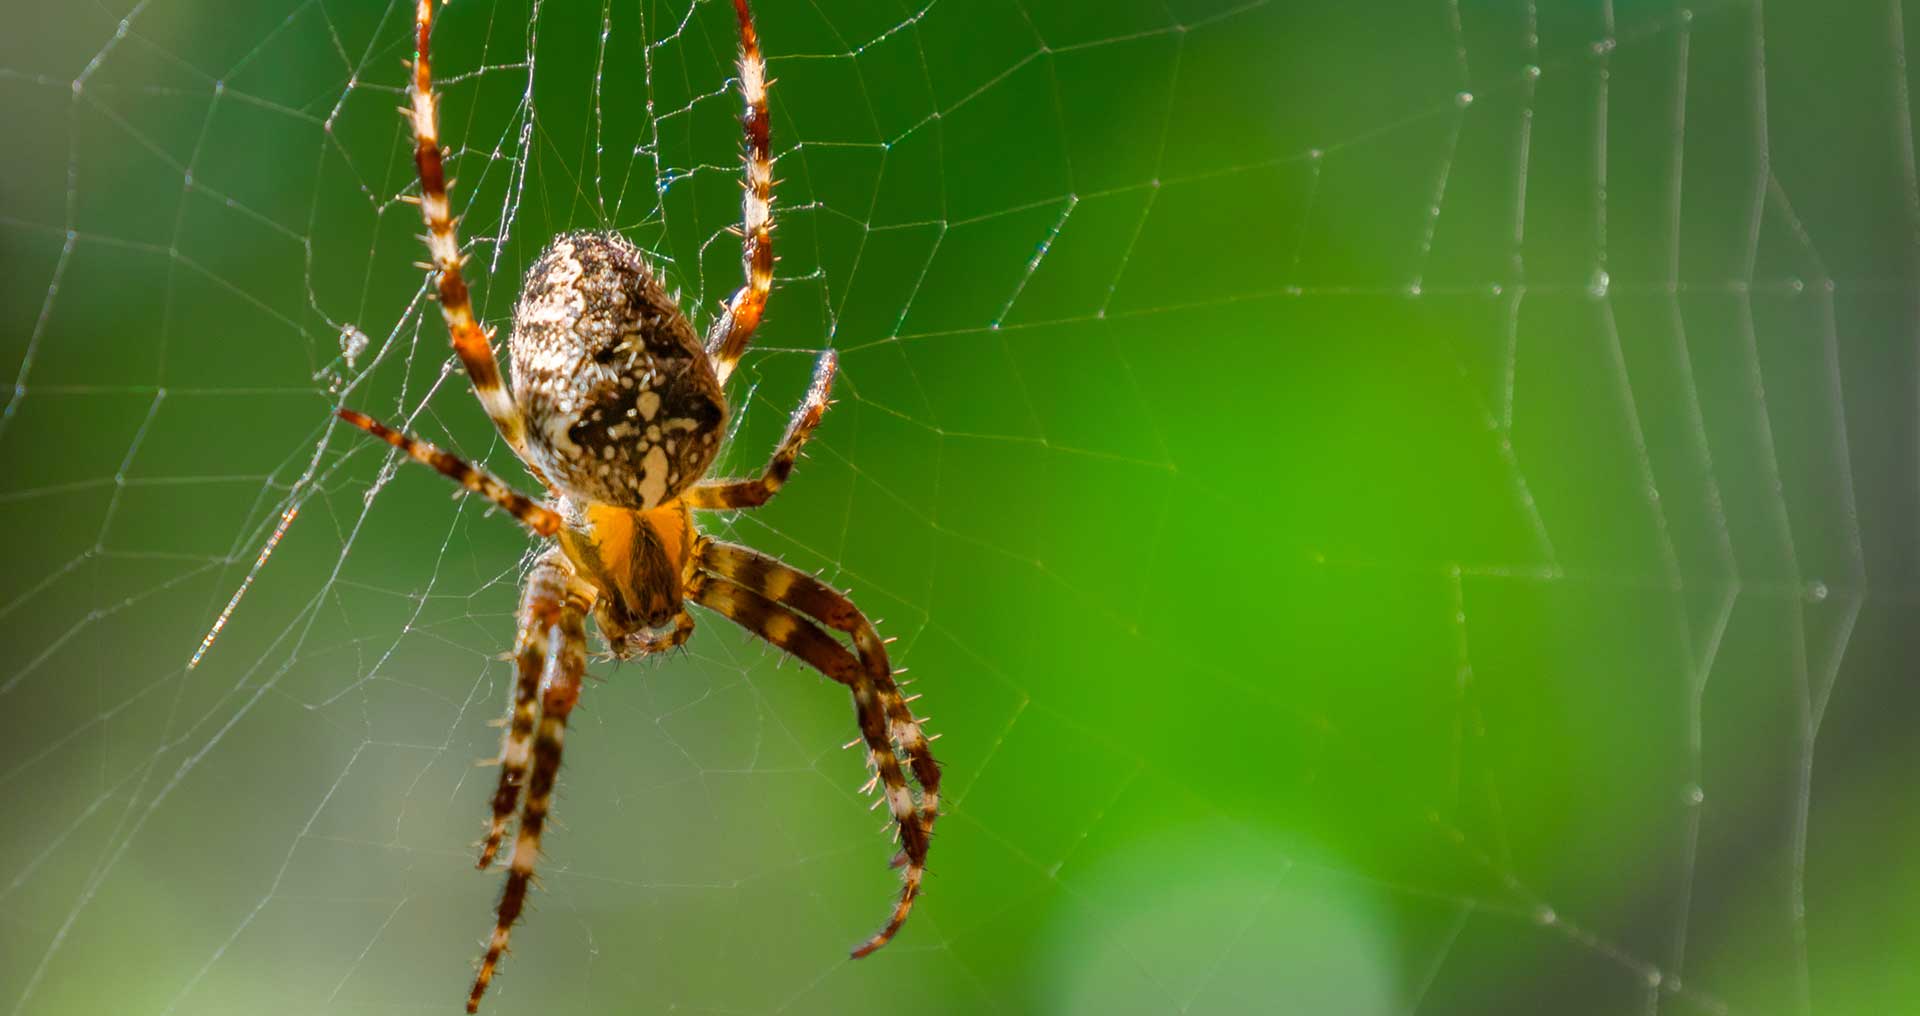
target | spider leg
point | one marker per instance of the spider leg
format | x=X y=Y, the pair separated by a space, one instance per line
x=775 y=601
x=542 y=520
x=758 y=491
x=471 y=342
x=565 y=666
x=735 y=326
x=540 y=607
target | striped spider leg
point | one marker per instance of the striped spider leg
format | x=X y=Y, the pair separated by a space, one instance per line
x=550 y=658
x=617 y=408
x=472 y=343
x=735 y=326
x=788 y=608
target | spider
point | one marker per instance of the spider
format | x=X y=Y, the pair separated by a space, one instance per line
x=617 y=409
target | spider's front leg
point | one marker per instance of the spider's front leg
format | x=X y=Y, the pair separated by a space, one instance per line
x=553 y=650
x=782 y=605
x=540 y=607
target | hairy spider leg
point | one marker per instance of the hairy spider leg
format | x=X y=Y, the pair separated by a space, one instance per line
x=793 y=588
x=471 y=342
x=541 y=520
x=759 y=490
x=540 y=606
x=781 y=604
x=735 y=326
x=552 y=591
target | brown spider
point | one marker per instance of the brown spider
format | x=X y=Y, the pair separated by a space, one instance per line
x=618 y=410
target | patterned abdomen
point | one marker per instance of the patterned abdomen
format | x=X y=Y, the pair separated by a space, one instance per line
x=621 y=405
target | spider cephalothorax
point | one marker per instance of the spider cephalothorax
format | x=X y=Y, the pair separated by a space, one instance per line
x=617 y=408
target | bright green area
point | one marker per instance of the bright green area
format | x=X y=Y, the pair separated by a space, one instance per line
x=1387 y=515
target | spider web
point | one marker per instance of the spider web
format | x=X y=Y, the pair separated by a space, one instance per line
x=1403 y=507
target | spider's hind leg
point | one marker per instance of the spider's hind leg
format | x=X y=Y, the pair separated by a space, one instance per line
x=741 y=316
x=529 y=513
x=759 y=490
x=471 y=342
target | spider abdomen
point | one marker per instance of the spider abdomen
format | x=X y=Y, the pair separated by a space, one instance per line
x=622 y=406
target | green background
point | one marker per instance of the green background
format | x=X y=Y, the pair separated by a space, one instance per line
x=1393 y=507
